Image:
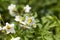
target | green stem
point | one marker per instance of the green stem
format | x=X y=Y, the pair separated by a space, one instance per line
x=2 y=20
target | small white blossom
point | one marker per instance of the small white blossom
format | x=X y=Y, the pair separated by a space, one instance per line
x=18 y=19
x=11 y=9
x=30 y=20
x=17 y=38
x=0 y=28
x=9 y=28
x=27 y=8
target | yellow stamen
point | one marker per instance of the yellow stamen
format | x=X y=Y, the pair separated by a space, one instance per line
x=30 y=20
x=8 y=27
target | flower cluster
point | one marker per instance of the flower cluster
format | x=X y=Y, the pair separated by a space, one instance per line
x=27 y=23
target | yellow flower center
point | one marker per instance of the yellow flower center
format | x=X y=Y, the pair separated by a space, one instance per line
x=8 y=27
x=30 y=20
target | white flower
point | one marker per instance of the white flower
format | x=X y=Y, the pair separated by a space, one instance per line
x=17 y=38
x=0 y=28
x=27 y=8
x=18 y=19
x=11 y=9
x=9 y=28
x=30 y=20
